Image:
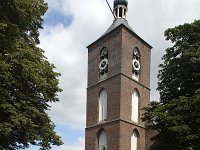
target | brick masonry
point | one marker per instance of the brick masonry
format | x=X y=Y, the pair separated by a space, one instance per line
x=119 y=86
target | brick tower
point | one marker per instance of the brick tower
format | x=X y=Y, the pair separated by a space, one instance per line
x=118 y=87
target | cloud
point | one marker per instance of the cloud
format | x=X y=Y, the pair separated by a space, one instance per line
x=65 y=46
x=70 y=59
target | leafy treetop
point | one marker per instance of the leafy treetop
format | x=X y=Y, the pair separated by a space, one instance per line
x=28 y=82
x=180 y=73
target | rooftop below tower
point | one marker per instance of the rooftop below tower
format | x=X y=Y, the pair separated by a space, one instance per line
x=117 y=23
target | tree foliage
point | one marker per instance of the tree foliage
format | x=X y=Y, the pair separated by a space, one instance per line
x=176 y=118
x=28 y=81
x=180 y=73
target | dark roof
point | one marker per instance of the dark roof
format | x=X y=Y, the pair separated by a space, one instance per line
x=116 y=23
x=120 y=2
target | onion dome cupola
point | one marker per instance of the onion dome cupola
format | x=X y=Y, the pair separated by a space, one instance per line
x=120 y=8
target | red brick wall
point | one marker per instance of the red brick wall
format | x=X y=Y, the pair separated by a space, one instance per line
x=119 y=86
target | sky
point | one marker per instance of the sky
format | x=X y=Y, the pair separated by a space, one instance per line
x=71 y=25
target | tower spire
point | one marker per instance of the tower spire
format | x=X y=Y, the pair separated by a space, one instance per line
x=120 y=8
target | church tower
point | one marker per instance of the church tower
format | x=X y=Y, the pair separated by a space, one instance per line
x=118 y=87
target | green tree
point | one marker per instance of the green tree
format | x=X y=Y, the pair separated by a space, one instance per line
x=28 y=82
x=176 y=118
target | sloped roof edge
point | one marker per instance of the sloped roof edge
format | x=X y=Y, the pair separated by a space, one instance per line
x=117 y=23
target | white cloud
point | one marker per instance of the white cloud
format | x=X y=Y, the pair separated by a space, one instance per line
x=65 y=46
x=70 y=59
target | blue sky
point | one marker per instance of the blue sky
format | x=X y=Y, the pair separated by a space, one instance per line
x=71 y=25
x=54 y=17
x=70 y=136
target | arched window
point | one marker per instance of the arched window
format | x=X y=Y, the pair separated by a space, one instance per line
x=103 y=64
x=103 y=105
x=103 y=141
x=134 y=140
x=136 y=67
x=135 y=106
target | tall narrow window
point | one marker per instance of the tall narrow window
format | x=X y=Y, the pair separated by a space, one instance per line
x=134 y=140
x=120 y=12
x=103 y=141
x=103 y=105
x=135 y=106
x=136 y=64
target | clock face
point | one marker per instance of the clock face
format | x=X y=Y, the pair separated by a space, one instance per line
x=103 y=64
x=136 y=65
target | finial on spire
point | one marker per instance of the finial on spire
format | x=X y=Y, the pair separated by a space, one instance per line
x=120 y=8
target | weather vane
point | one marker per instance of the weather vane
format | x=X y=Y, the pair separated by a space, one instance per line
x=111 y=9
